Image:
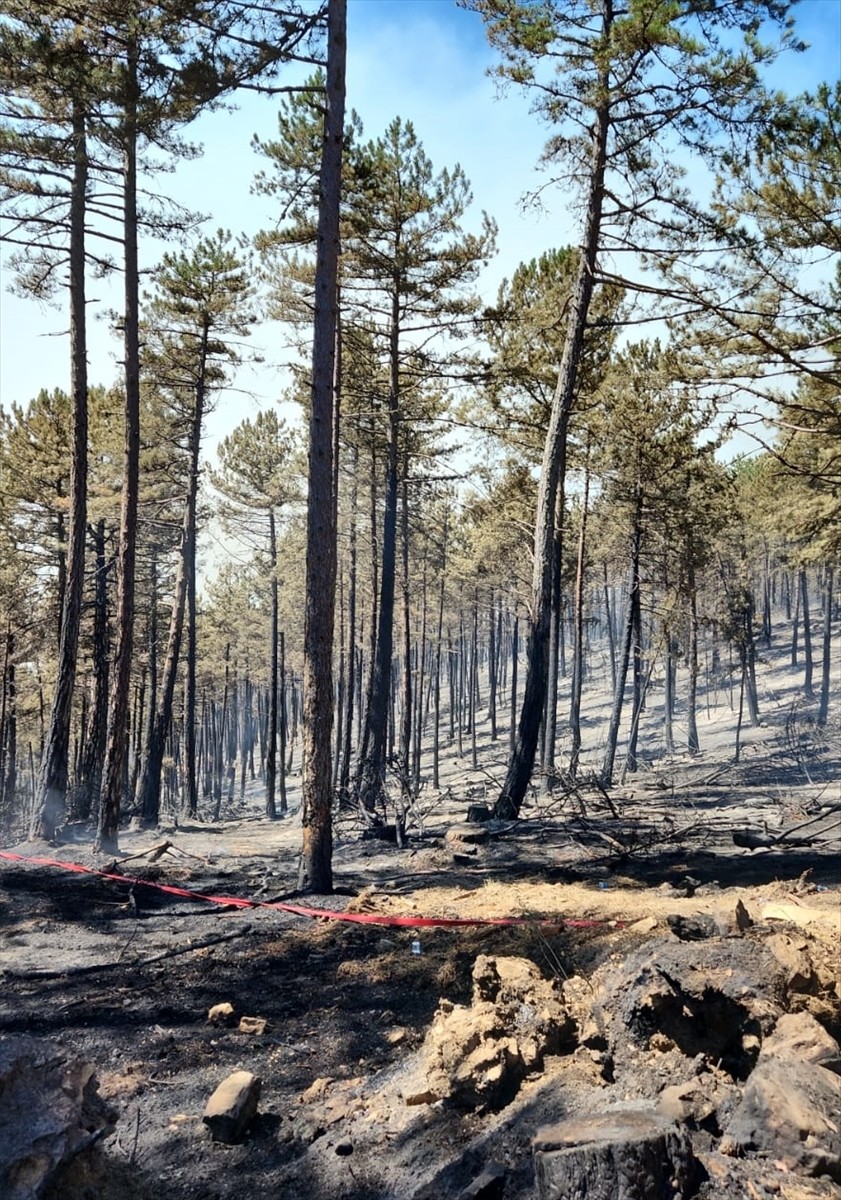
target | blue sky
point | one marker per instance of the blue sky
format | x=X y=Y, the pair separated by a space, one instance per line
x=424 y=60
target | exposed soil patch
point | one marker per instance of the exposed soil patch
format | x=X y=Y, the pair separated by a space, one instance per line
x=124 y=977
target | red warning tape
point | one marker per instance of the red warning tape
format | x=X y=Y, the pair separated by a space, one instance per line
x=301 y=910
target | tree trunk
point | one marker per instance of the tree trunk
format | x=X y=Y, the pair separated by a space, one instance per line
x=436 y=729
x=625 y=657
x=692 y=742
x=94 y=753
x=271 y=730
x=611 y=632
x=150 y=787
x=8 y=778
x=550 y=716
x=344 y=773
x=669 y=690
x=321 y=512
x=116 y=755
x=578 y=638
x=493 y=665
x=637 y=690
x=795 y=626
x=808 y=689
x=406 y=724
x=554 y=463
x=52 y=783
x=281 y=727
x=823 y=706
x=372 y=773
x=515 y=662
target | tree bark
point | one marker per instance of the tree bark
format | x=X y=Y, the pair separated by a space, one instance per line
x=692 y=742
x=321 y=513
x=150 y=786
x=116 y=754
x=94 y=753
x=372 y=773
x=53 y=778
x=808 y=668
x=554 y=462
x=823 y=704
x=578 y=639
x=625 y=658
x=271 y=732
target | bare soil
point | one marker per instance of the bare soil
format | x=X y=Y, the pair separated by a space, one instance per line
x=125 y=976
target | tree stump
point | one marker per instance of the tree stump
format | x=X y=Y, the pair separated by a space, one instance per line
x=632 y=1153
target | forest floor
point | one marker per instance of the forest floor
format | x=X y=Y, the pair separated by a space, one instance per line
x=125 y=977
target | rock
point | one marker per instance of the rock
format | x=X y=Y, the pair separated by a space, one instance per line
x=50 y=1110
x=792 y=953
x=789 y=1110
x=697 y=1102
x=796 y=912
x=489 y=1185
x=396 y=1037
x=479 y=1056
x=317 y=1089
x=467 y=832
x=644 y=925
x=632 y=1153
x=233 y=1106
x=423 y=1095
x=799 y=1036
x=222 y=1014
x=253 y=1025
x=732 y=921
x=694 y=928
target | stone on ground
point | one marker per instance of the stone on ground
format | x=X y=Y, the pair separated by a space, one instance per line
x=233 y=1106
x=798 y=1035
x=479 y=1056
x=790 y=1110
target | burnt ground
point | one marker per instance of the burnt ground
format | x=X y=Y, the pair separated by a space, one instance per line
x=124 y=977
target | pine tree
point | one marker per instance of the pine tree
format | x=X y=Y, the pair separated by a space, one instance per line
x=194 y=321
x=258 y=478
x=622 y=89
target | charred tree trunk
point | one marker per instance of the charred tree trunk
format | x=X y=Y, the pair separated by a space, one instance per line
x=116 y=755
x=53 y=779
x=823 y=704
x=321 y=506
x=94 y=752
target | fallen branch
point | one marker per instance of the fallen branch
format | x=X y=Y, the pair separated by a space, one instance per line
x=141 y=962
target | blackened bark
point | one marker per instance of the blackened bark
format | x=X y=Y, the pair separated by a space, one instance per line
x=372 y=772
x=317 y=795
x=271 y=733
x=53 y=778
x=808 y=668
x=116 y=754
x=94 y=752
x=344 y=772
x=554 y=461
x=823 y=705
x=692 y=742
x=578 y=635
x=281 y=726
x=625 y=656
x=406 y=724
x=150 y=786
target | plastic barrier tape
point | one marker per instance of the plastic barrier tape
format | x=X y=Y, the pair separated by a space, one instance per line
x=302 y=910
